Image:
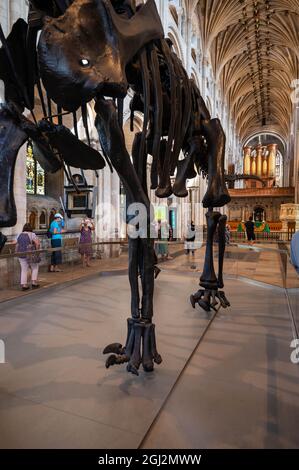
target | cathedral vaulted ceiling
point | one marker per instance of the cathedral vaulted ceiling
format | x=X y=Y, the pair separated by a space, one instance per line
x=254 y=48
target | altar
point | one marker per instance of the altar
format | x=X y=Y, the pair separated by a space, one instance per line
x=260 y=227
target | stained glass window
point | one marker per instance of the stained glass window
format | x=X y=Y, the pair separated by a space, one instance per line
x=40 y=180
x=30 y=171
x=35 y=175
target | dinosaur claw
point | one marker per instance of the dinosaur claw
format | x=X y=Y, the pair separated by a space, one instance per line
x=209 y=300
x=115 y=348
x=132 y=369
x=192 y=300
x=111 y=361
x=206 y=306
x=158 y=359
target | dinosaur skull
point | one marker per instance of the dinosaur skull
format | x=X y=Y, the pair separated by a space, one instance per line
x=84 y=52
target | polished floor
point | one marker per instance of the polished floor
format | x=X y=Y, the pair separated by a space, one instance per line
x=226 y=380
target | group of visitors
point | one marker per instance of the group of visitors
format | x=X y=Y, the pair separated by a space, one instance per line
x=28 y=246
x=190 y=239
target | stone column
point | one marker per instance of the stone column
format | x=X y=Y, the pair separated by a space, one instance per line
x=243 y=214
x=197 y=207
x=5 y=16
x=188 y=44
x=203 y=188
x=115 y=202
x=17 y=10
x=204 y=76
x=162 y=11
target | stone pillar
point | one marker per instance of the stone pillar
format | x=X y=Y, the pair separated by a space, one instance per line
x=188 y=44
x=204 y=76
x=243 y=214
x=115 y=203
x=197 y=207
x=202 y=211
x=17 y=10
x=259 y=159
x=247 y=160
x=162 y=11
x=5 y=16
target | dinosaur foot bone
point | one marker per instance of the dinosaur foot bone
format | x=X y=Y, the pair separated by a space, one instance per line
x=209 y=300
x=140 y=348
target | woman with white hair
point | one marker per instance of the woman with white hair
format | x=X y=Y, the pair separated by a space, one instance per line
x=56 y=230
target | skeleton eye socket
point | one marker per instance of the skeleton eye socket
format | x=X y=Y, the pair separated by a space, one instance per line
x=84 y=62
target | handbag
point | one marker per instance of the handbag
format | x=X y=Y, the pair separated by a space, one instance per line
x=33 y=257
x=49 y=233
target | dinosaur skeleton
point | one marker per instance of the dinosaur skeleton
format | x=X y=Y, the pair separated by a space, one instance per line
x=96 y=50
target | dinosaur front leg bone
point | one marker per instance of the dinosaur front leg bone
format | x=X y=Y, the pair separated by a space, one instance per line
x=12 y=137
x=112 y=139
x=185 y=170
x=221 y=238
x=209 y=279
x=141 y=341
x=217 y=194
x=147 y=278
x=133 y=277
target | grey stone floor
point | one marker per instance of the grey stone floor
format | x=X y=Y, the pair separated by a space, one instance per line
x=238 y=390
x=55 y=390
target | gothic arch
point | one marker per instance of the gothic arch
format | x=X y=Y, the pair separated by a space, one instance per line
x=194 y=76
x=32 y=217
x=176 y=43
x=257 y=134
x=255 y=57
x=209 y=105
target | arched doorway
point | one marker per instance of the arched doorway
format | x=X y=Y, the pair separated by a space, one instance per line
x=42 y=220
x=32 y=219
x=259 y=214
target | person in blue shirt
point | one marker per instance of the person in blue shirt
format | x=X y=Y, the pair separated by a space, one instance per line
x=56 y=230
x=295 y=251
